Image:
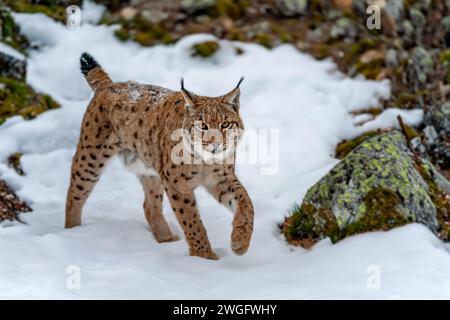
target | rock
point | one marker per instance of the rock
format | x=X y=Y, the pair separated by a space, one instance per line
x=395 y=9
x=155 y=16
x=291 y=8
x=10 y=205
x=439 y=118
x=419 y=147
x=423 y=5
x=318 y=35
x=418 y=20
x=421 y=64
x=430 y=134
x=343 y=27
x=378 y=186
x=17 y=98
x=407 y=30
x=391 y=59
x=12 y=63
x=445 y=22
x=128 y=13
x=9 y=31
x=196 y=5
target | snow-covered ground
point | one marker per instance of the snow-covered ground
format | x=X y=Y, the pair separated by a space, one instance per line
x=307 y=101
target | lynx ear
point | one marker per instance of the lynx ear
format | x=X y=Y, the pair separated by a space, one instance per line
x=232 y=98
x=188 y=96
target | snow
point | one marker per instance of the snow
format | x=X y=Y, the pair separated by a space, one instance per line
x=305 y=101
x=10 y=51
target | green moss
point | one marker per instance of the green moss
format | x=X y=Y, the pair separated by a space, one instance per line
x=51 y=8
x=17 y=98
x=408 y=100
x=445 y=60
x=264 y=39
x=14 y=162
x=352 y=52
x=237 y=35
x=370 y=69
x=344 y=147
x=231 y=8
x=307 y=225
x=320 y=50
x=285 y=37
x=205 y=49
x=122 y=34
x=141 y=30
x=373 y=111
x=380 y=213
x=440 y=198
x=10 y=32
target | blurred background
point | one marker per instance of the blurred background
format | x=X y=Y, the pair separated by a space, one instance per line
x=400 y=40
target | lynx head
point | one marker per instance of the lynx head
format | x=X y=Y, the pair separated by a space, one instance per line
x=213 y=123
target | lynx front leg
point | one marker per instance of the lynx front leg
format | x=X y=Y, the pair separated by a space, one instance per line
x=184 y=206
x=154 y=192
x=230 y=192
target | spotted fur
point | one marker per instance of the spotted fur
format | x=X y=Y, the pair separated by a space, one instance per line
x=136 y=121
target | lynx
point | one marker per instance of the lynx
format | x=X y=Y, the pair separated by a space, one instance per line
x=136 y=122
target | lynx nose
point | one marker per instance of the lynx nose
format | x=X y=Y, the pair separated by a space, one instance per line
x=215 y=146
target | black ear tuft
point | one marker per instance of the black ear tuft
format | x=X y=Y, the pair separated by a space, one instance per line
x=183 y=89
x=240 y=81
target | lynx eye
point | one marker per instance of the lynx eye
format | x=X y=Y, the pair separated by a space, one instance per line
x=226 y=124
x=202 y=126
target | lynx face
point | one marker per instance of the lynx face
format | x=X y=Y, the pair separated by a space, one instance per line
x=212 y=126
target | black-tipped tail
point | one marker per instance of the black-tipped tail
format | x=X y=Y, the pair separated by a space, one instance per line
x=94 y=74
x=87 y=63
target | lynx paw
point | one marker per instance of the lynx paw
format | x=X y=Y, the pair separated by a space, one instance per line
x=206 y=254
x=171 y=238
x=240 y=241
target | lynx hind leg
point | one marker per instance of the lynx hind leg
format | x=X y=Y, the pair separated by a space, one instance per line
x=95 y=147
x=154 y=192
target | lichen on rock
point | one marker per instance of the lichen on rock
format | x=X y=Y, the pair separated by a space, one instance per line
x=378 y=186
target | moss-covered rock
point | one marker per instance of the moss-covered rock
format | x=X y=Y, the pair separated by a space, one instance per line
x=10 y=32
x=345 y=147
x=53 y=8
x=14 y=162
x=17 y=98
x=12 y=63
x=378 y=186
x=205 y=49
x=10 y=205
